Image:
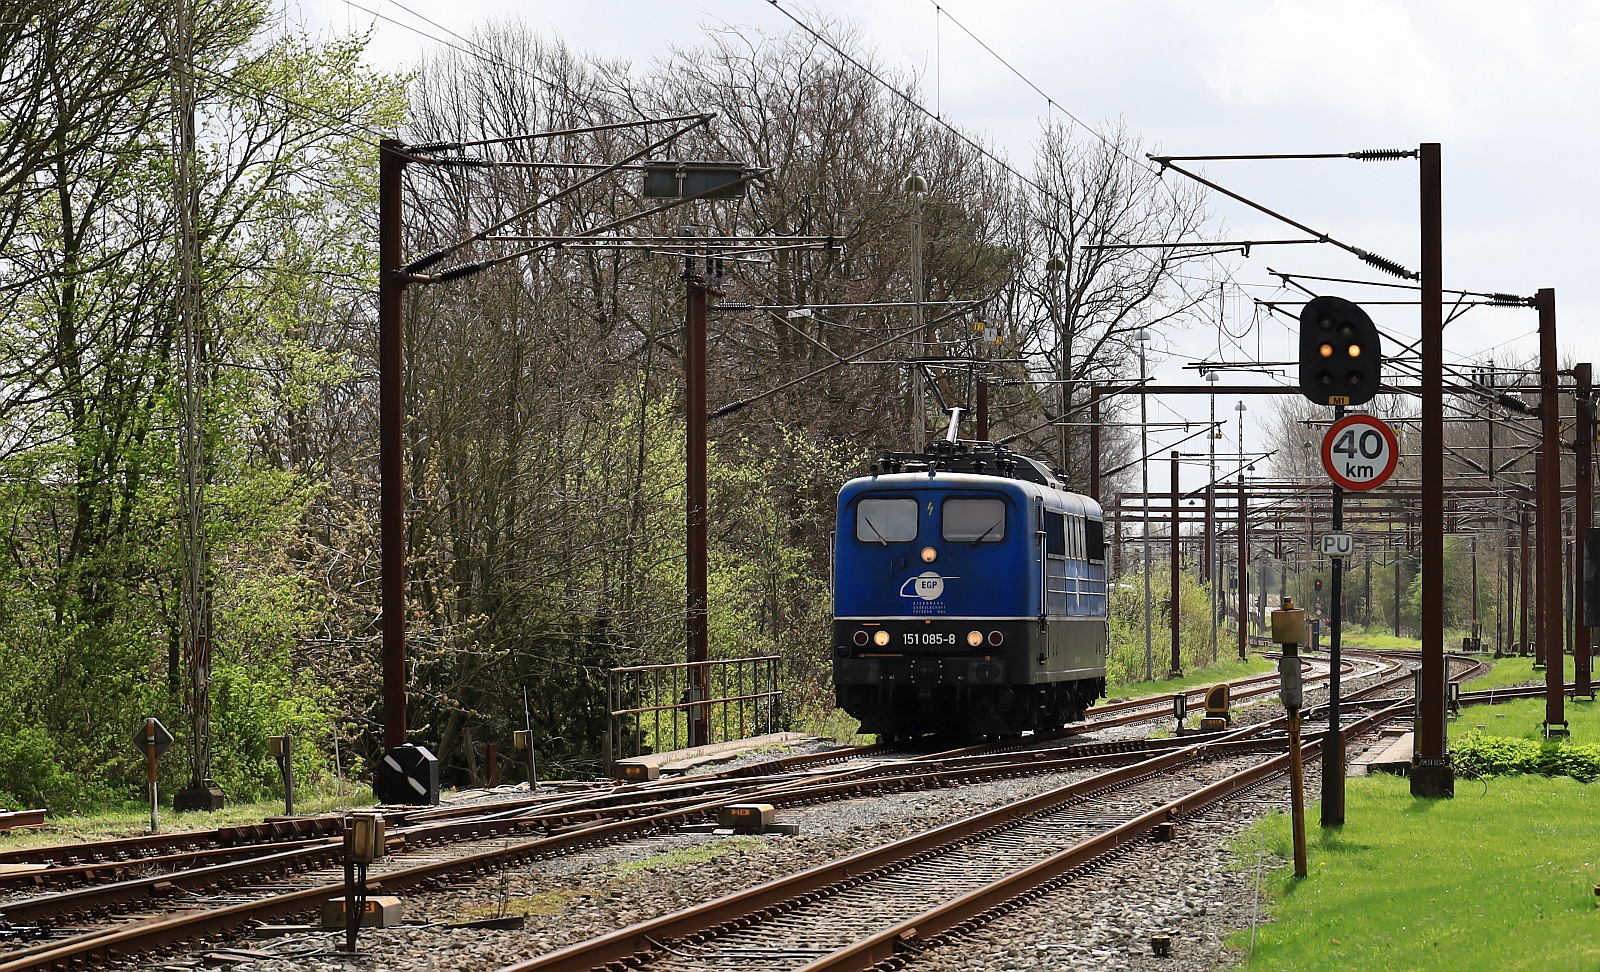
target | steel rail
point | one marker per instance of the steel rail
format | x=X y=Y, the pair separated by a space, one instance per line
x=183 y=926
x=624 y=944
x=978 y=905
x=105 y=871
x=102 y=851
x=156 y=933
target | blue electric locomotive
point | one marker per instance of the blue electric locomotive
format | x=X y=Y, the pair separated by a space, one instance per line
x=969 y=595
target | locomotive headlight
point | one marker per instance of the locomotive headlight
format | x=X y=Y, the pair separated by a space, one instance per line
x=929 y=555
x=880 y=638
x=997 y=638
x=974 y=638
x=860 y=639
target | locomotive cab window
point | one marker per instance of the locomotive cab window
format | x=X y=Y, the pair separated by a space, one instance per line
x=974 y=520
x=886 y=521
x=1055 y=534
x=1095 y=541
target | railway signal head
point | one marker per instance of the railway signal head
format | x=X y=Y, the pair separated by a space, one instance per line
x=1340 y=353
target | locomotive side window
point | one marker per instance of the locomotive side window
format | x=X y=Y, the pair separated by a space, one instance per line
x=1055 y=534
x=1095 y=541
x=886 y=520
x=974 y=520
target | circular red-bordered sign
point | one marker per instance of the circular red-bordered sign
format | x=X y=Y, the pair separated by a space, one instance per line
x=1360 y=452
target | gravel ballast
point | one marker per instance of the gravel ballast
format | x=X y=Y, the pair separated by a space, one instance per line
x=1194 y=891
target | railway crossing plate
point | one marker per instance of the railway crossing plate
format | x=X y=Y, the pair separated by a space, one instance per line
x=1360 y=451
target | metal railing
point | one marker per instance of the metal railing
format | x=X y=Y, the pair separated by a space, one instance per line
x=659 y=708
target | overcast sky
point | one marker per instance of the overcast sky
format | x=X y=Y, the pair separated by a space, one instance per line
x=1507 y=87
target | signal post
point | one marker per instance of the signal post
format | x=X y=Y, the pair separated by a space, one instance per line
x=1341 y=358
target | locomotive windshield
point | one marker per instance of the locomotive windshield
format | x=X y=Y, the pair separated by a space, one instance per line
x=974 y=520
x=886 y=520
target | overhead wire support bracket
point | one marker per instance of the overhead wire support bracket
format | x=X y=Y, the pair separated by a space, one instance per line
x=1372 y=259
x=1223 y=244
x=749 y=176
x=1494 y=298
x=429 y=259
x=698 y=119
x=1363 y=155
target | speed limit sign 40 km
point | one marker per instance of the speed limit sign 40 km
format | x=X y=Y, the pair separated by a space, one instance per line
x=1360 y=452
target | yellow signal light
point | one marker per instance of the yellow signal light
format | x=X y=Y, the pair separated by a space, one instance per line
x=1326 y=350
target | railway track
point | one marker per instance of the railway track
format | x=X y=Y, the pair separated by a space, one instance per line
x=292 y=874
x=873 y=906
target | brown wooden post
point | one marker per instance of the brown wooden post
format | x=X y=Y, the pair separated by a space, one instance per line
x=1431 y=773
x=1583 y=650
x=391 y=442
x=1569 y=586
x=695 y=417
x=981 y=429
x=1175 y=570
x=1524 y=571
x=1555 y=719
x=1244 y=571
x=1541 y=601
x=1094 y=442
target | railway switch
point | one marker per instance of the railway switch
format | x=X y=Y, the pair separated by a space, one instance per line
x=1218 y=714
x=1289 y=624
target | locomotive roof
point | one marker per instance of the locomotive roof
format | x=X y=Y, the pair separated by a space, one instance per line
x=987 y=466
x=982 y=458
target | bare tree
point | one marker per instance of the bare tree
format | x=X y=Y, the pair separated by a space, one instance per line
x=1103 y=242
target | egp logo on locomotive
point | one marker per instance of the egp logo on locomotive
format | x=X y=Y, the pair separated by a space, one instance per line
x=928 y=586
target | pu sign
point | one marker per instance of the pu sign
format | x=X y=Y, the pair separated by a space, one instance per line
x=1359 y=452
x=1336 y=545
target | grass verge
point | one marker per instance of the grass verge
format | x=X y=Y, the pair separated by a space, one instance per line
x=1502 y=877
x=1226 y=668
x=134 y=820
x=1514 y=671
x=1376 y=640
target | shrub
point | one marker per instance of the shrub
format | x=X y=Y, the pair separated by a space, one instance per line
x=1476 y=754
x=33 y=774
